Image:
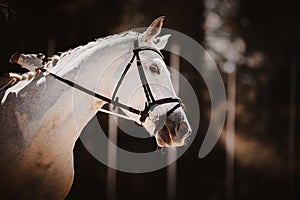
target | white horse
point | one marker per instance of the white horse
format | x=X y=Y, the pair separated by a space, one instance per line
x=38 y=130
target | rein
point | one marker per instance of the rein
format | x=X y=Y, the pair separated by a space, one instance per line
x=151 y=101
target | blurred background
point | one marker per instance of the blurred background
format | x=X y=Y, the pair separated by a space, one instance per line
x=256 y=48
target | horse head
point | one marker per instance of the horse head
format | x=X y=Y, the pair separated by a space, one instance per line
x=147 y=86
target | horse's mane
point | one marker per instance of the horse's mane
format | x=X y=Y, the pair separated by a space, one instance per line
x=14 y=82
x=82 y=48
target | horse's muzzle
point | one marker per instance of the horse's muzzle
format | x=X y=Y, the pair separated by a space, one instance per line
x=173 y=131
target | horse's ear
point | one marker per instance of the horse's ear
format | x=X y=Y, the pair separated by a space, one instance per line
x=154 y=29
x=162 y=41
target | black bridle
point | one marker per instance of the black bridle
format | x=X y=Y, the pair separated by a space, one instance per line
x=151 y=101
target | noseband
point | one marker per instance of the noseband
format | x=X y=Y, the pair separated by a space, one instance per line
x=151 y=102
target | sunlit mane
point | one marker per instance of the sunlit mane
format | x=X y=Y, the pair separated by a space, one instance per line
x=78 y=50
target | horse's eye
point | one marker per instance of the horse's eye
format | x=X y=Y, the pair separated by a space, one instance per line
x=154 y=69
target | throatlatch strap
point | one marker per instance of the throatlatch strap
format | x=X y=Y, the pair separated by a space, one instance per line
x=114 y=98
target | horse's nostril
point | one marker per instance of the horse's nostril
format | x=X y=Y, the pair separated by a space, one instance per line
x=182 y=129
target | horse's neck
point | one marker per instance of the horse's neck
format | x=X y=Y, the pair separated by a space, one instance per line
x=94 y=70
